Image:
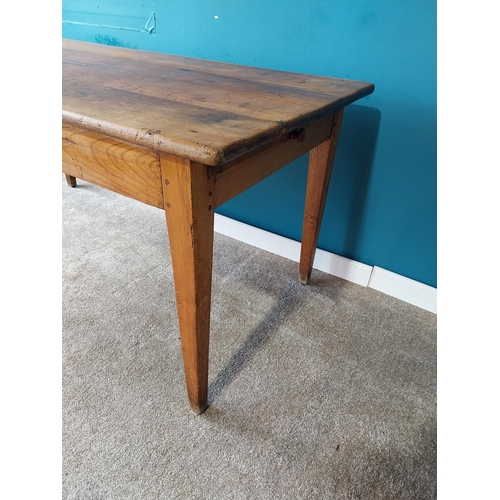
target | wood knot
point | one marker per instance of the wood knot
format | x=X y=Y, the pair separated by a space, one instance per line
x=298 y=135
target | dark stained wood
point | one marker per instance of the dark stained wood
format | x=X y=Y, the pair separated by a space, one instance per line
x=71 y=180
x=206 y=111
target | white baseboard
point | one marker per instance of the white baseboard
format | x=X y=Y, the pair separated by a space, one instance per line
x=402 y=288
x=384 y=281
x=285 y=247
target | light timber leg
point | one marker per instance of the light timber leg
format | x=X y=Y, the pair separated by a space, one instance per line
x=188 y=196
x=318 y=177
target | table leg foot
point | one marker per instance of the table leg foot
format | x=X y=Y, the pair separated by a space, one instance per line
x=188 y=195
x=70 y=180
x=198 y=409
x=319 y=172
x=304 y=280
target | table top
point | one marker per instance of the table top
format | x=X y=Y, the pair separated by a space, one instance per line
x=206 y=111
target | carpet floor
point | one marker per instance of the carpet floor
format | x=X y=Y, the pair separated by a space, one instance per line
x=326 y=391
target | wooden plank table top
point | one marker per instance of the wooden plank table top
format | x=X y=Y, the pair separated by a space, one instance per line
x=206 y=111
x=186 y=135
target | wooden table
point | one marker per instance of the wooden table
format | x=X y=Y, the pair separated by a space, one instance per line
x=186 y=135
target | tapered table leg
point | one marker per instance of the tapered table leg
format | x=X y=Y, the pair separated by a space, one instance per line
x=318 y=177
x=188 y=195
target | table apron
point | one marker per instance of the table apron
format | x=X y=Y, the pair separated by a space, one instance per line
x=127 y=169
x=236 y=177
x=135 y=171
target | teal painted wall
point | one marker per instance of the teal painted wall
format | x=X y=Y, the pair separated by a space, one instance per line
x=381 y=207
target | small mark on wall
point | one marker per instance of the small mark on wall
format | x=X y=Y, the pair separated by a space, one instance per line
x=151 y=23
x=110 y=40
x=123 y=22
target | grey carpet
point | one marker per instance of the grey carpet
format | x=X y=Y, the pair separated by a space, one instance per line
x=326 y=391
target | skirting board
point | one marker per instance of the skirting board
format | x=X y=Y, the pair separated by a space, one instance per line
x=402 y=288
x=387 y=282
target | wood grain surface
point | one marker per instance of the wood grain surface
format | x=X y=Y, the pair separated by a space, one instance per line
x=205 y=111
x=318 y=179
x=189 y=209
x=131 y=170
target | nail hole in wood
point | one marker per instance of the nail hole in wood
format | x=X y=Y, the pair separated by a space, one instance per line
x=298 y=135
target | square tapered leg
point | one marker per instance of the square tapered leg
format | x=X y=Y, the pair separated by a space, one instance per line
x=188 y=194
x=318 y=178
